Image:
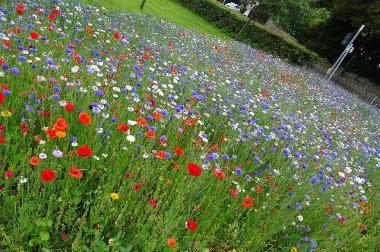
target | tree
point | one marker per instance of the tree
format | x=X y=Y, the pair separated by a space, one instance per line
x=347 y=16
x=142 y=4
x=294 y=16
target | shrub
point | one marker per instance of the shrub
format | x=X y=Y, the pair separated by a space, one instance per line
x=255 y=35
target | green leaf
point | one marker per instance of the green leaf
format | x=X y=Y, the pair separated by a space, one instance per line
x=40 y=223
x=31 y=242
x=44 y=236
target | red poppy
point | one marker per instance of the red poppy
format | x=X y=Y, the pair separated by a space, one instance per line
x=172 y=243
x=45 y=113
x=116 y=35
x=259 y=189
x=194 y=169
x=219 y=174
x=141 y=121
x=234 y=193
x=153 y=203
x=51 y=17
x=191 y=225
x=69 y=107
x=157 y=116
x=34 y=161
x=2 y=97
x=137 y=186
x=2 y=140
x=190 y=121
x=123 y=127
x=20 y=9
x=179 y=151
x=84 y=118
x=247 y=202
x=48 y=175
x=150 y=134
x=128 y=175
x=60 y=124
x=160 y=154
x=34 y=35
x=173 y=69
x=75 y=172
x=84 y=151
x=24 y=129
x=64 y=236
x=3 y=86
x=51 y=133
x=7 y=42
x=56 y=12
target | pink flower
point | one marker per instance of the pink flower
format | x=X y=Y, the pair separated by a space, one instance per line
x=9 y=174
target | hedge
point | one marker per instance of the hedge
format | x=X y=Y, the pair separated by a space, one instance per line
x=255 y=35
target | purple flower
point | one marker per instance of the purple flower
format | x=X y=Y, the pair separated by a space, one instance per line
x=15 y=70
x=298 y=205
x=22 y=58
x=314 y=180
x=238 y=170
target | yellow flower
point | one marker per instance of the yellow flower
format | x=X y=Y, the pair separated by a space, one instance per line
x=233 y=250
x=111 y=241
x=5 y=113
x=294 y=249
x=114 y=196
x=60 y=134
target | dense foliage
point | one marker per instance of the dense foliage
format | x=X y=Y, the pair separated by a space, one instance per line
x=321 y=25
x=122 y=132
x=346 y=16
x=254 y=34
x=294 y=16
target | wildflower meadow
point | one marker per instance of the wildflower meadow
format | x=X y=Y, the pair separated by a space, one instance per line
x=123 y=132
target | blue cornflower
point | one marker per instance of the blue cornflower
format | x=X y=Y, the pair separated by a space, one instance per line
x=56 y=96
x=298 y=205
x=22 y=58
x=314 y=180
x=99 y=92
x=14 y=70
x=149 y=118
x=238 y=170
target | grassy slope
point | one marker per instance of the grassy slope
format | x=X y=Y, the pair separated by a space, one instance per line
x=165 y=9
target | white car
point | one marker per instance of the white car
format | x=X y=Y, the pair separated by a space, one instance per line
x=233 y=6
x=246 y=13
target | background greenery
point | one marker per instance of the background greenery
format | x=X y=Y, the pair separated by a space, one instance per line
x=256 y=35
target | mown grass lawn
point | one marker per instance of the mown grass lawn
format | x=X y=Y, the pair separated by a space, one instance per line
x=165 y=9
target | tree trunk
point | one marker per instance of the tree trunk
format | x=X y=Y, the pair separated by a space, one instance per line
x=142 y=4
